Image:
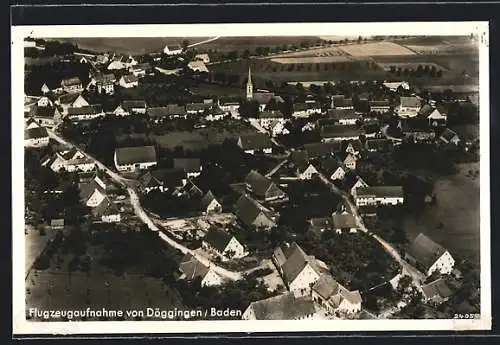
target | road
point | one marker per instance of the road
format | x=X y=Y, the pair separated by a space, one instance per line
x=407 y=268
x=202 y=42
x=143 y=216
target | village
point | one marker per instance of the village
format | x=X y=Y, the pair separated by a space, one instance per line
x=290 y=194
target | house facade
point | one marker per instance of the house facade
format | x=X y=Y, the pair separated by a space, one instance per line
x=380 y=195
x=36 y=137
x=224 y=245
x=335 y=298
x=129 y=81
x=89 y=112
x=408 y=107
x=428 y=256
x=135 y=158
x=72 y=85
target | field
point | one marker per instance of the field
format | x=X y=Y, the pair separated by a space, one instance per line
x=457 y=207
x=376 y=49
x=323 y=51
x=311 y=59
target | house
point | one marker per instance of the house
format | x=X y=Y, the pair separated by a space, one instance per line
x=141 y=70
x=395 y=85
x=378 y=145
x=57 y=223
x=408 y=106
x=191 y=166
x=350 y=161
x=277 y=127
x=226 y=246
x=306 y=109
x=198 y=66
x=322 y=150
x=107 y=212
x=117 y=65
x=103 y=83
x=449 y=137
x=428 y=256
x=319 y=225
x=191 y=269
x=354 y=147
x=209 y=204
x=215 y=115
x=130 y=107
x=190 y=190
x=170 y=111
x=129 y=81
x=71 y=100
x=343 y=116
x=91 y=193
x=332 y=169
x=264 y=97
x=380 y=106
x=307 y=171
x=228 y=105
x=45 y=116
x=31 y=123
x=69 y=160
x=88 y=112
x=253 y=214
x=357 y=182
x=175 y=51
x=250 y=143
x=102 y=59
x=379 y=195
x=197 y=108
x=44 y=102
x=436 y=292
x=72 y=85
x=134 y=158
x=162 y=180
x=282 y=307
x=417 y=129
x=299 y=271
x=335 y=298
x=436 y=118
x=262 y=187
x=51 y=86
x=267 y=117
x=130 y=62
x=340 y=102
x=344 y=222
x=202 y=57
x=339 y=132
x=36 y=137
x=95 y=177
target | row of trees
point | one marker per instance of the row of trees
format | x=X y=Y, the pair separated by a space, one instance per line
x=420 y=71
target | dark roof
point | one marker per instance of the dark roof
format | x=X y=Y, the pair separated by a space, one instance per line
x=168 y=110
x=300 y=107
x=341 y=101
x=35 y=133
x=343 y=221
x=130 y=78
x=315 y=150
x=333 y=131
x=329 y=165
x=207 y=199
x=381 y=103
x=218 y=239
x=367 y=209
x=257 y=141
x=88 y=109
x=88 y=188
x=263 y=97
x=299 y=158
x=326 y=286
x=426 y=110
x=138 y=154
x=131 y=104
x=437 y=288
x=145 y=66
x=165 y=177
x=105 y=208
x=107 y=78
x=283 y=307
x=296 y=260
x=192 y=268
x=381 y=191
x=448 y=134
x=378 y=144
x=425 y=251
x=68 y=98
x=187 y=164
x=356 y=144
x=342 y=114
x=71 y=81
x=248 y=209
x=258 y=183
x=46 y=112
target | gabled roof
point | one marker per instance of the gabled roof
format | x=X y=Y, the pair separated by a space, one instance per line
x=257 y=141
x=356 y=145
x=85 y=110
x=342 y=114
x=300 y=107
x=381 y=191
x=187 y=164
x=380 y=103
x=168 y=110
x=426 y=110
x=343 y=221
x=207 y=199
x=105 y=208
x=69 y=98
x=106 y=78
x=326 y=286
x=258 y=183
x=353 y=297
x=192 y=268
x=437 y=288
x=218 y=239
x=88 y=188
x=163 y=177
x=35 y=133
x=436 y=114
x=296 y=261
x=71 y=81
x=247 y=210
x=341 y=101
x=378 y=144
x=329 y=165
x=137 y=154
x=425 y=251
x=315 y=150
x=409 y=102
x=133 y=104
x=130 y=78
x=448 y=134
x=337 y=131
x=283 y=307
x=263 y=97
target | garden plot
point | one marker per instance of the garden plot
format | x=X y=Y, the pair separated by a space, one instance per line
x=311 y=59
x=376 y=49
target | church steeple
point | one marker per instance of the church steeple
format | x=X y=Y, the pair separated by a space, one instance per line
x=249 y=85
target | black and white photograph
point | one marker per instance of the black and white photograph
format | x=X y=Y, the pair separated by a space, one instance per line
x=331 y=174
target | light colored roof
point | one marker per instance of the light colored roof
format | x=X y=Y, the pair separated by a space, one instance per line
x=71 y=81
x=130 y=78
x=343 y=221
x=353 y=297
x=411 y=102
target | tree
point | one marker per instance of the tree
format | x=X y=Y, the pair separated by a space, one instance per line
x=185 y=44
x=439 y=74
x=246 y=54
x=249 y=109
